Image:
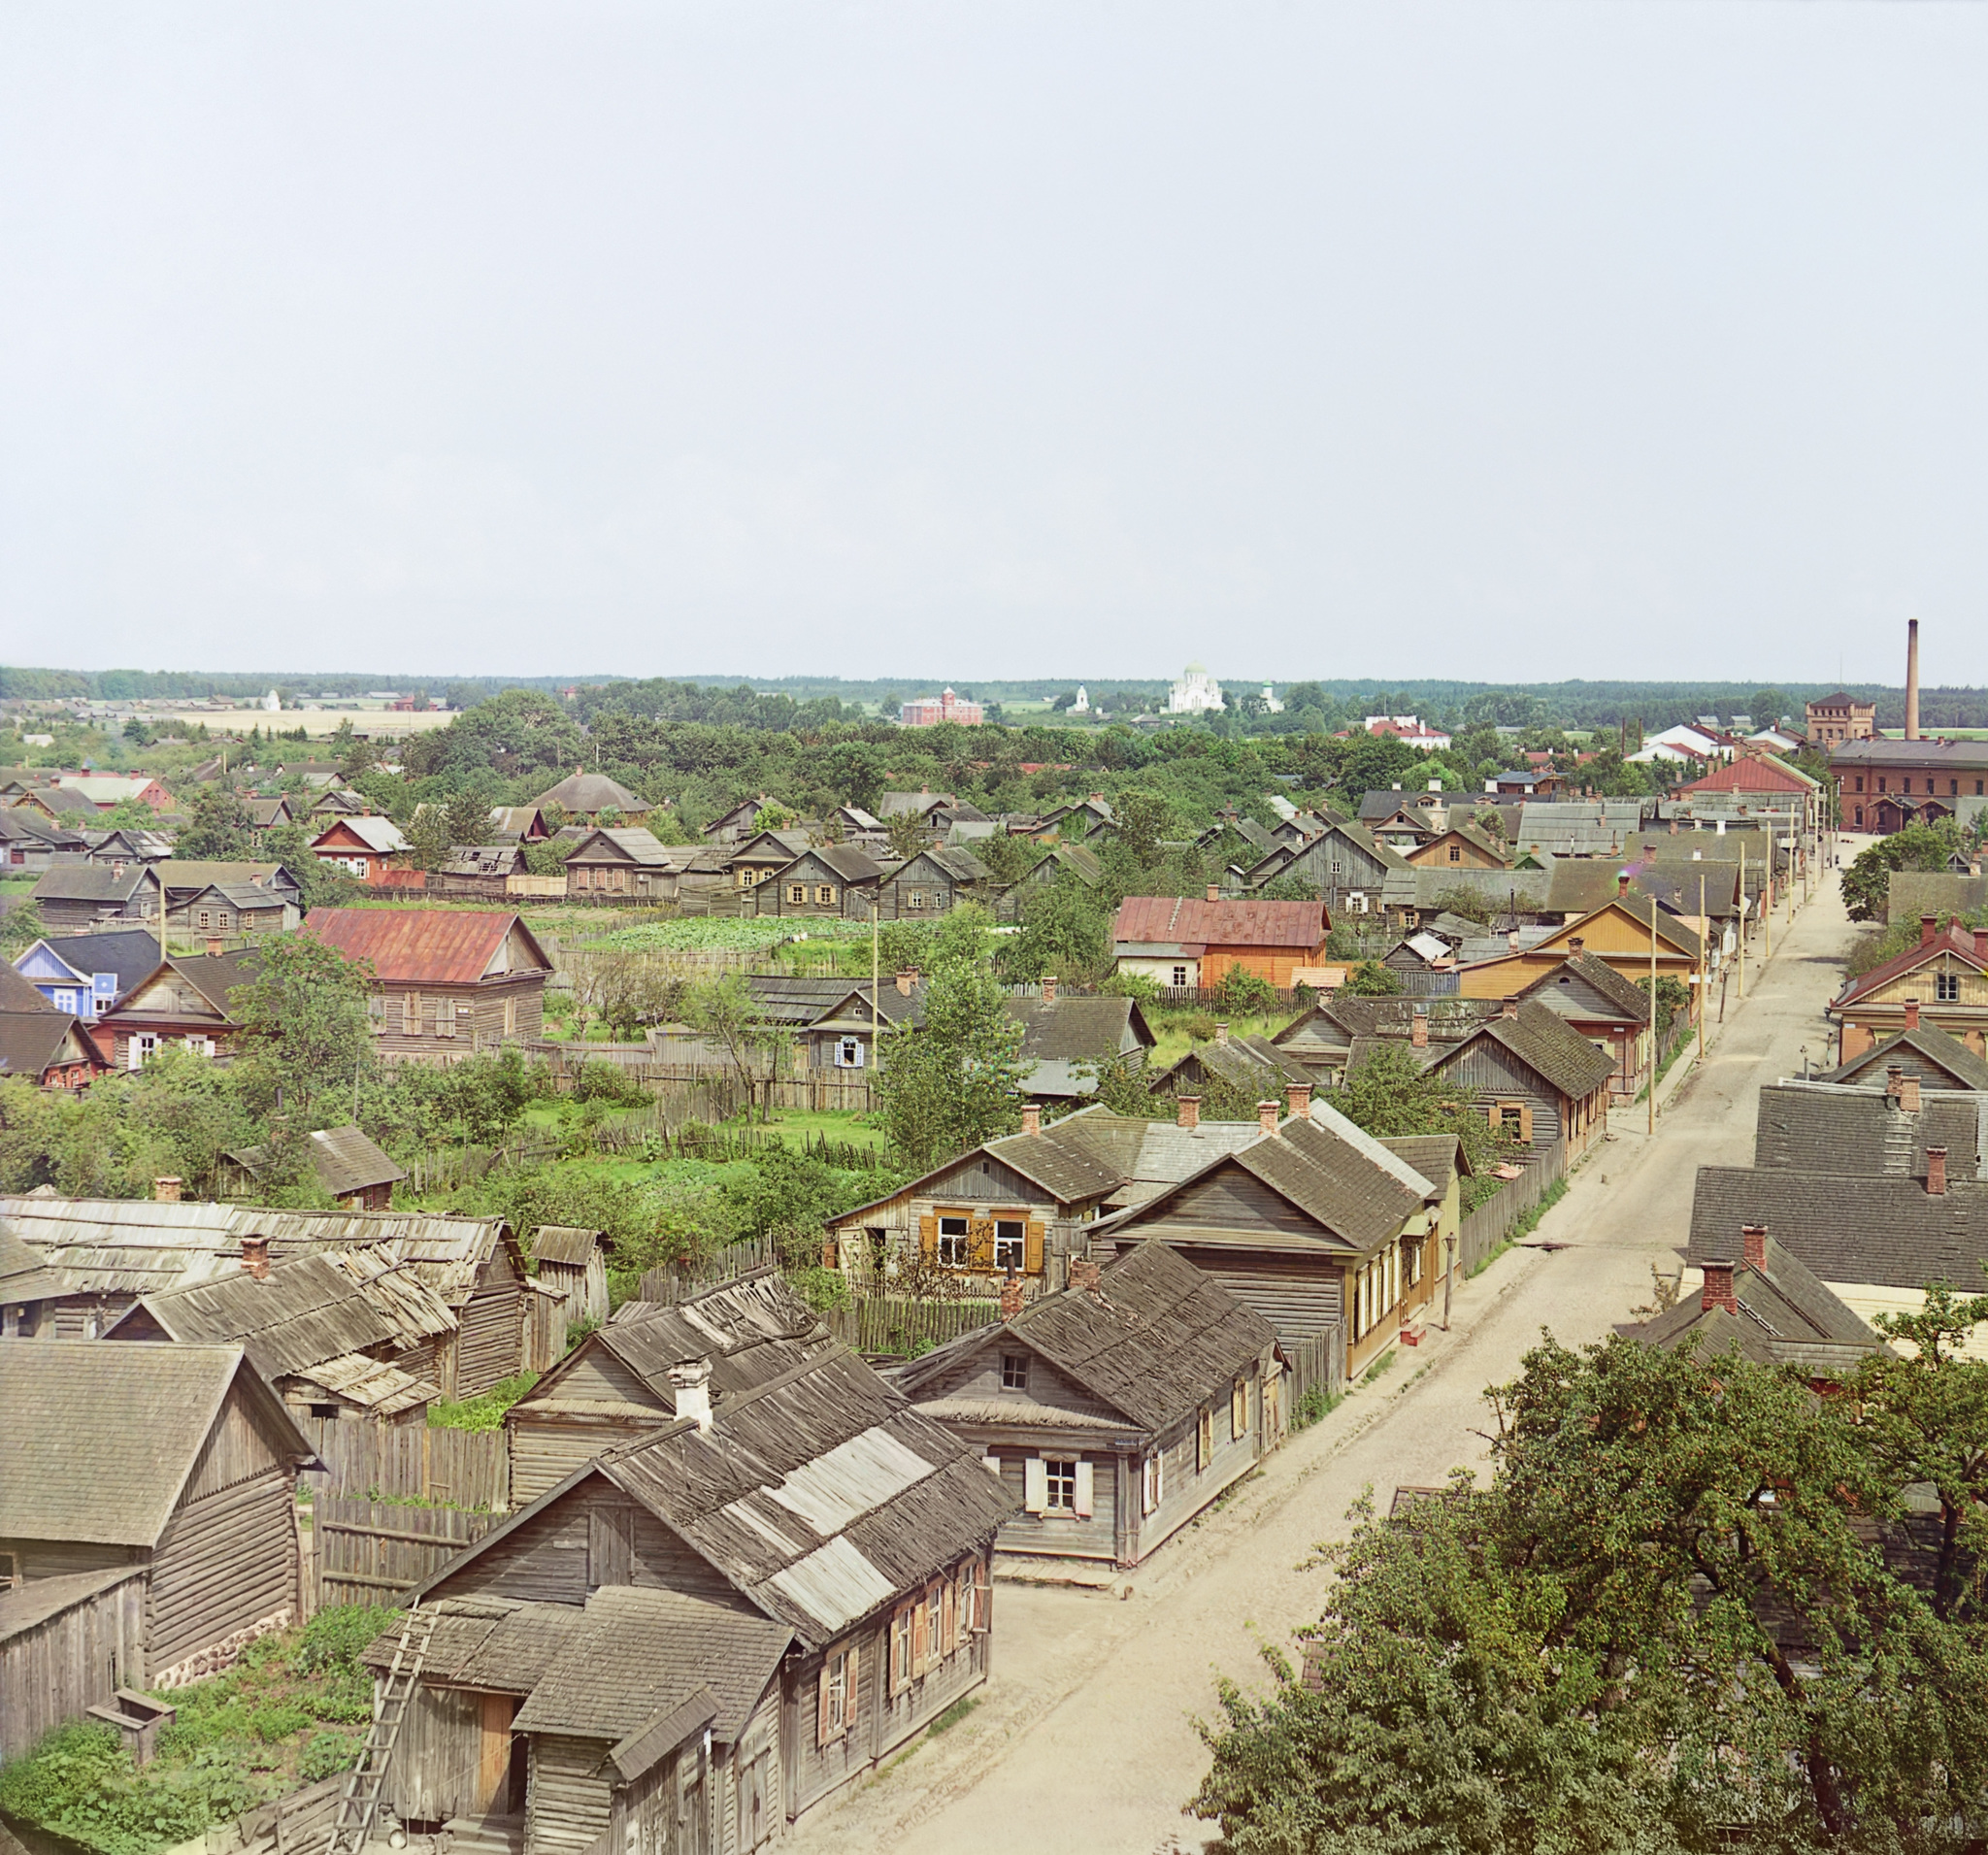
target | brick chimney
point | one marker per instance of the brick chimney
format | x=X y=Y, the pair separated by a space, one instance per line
x=1622 y=882
x=214 y=947
x=1753 y=1245
x=691 y=1388
x=1981 y=943
x=255 y=1258
x=1511 y=938
x=1187 y=1111
x=1936 y=1171
x=1575 y=945
x=1911 y=1015
x=1048 y=988
x=1084 y=1275
x=1718 y=1289
x=1894 y=1081
x=1929 y=929
x=1031 y=1117
x=165 y=1190
x=1267 y=1116
x=1298 y=1099
x=1908 y=1095
x=1511 y=1008
x=1215 y=891
x=1222 y=1034
x=1418 y=1028
x=907 y=978
x=1011 y=1294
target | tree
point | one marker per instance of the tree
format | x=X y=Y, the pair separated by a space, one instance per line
x=21 y=927
x=626 y=990
x=724 y=1011
x=305 y=1018
x=1770 y=706
x=1672 y=1623
x=1374 y=978
x=469 y=819
x=429 y=838
x=324 y=884
x=1867 y=882
x=1065 y=931
x=220 y=828
x=1391 y=1095
x=906 y=831
x=946 y=1085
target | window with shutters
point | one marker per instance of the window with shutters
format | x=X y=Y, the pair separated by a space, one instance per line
x=965 y=1611
x=1204 y=1442
x=935 y=1622
x=1011 y=1249
x=1239 y=1409
x=849 y=1053
x=511 y=1017
x=1511 y=1117
x=411 y=1015
x=1060 y=1478
x=375 y=1013
x=901 y=1648
x=797 y=892
x=1150 y=1497
x=824 y=895
x=953 y=1241
x=836 y=1709
x=445 y=1017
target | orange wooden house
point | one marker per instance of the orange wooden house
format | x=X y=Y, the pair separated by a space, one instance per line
x=1618 y=932
x=1181 y=941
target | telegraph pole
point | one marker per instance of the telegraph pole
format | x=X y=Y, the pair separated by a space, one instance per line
x=1704 y=935
x=1653 y=1011
x=1743 y=917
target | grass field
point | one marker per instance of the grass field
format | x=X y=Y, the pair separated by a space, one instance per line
x=1174 y=1038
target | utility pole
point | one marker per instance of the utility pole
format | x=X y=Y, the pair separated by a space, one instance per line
x=1767 y=899
x=1704 y=935
x=1653 y=1011
x=1742 y=920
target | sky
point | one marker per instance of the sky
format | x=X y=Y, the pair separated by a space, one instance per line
x=1049 y=338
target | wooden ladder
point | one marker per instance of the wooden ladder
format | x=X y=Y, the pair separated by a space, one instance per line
x=367 y=1779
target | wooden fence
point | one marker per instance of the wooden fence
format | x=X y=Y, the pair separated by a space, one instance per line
x=885 y=1327
x=300 y=1824
x=1486 y=1227
x=376 y=1551
x=409 y=1461
x=677 y=1281
x=1317 y=1364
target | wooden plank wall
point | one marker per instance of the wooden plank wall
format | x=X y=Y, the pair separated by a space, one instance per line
x=886 y=1326
x=299 y=1824
x=376 y=1551
x=74 y=1661
x=1485 y=1228
x=414 y=1462
x=1317 y=1364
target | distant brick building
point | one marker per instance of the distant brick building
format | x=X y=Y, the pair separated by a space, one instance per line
x=1831 y=719
x=928 y=712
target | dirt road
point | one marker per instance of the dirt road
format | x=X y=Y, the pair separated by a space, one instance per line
x=1085 y=1740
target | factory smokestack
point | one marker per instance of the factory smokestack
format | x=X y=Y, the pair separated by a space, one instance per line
x=1911 y=679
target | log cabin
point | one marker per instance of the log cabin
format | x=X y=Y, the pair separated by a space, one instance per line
x=831 y=881
x=701 y=1634
x=183 y=1000
x=71 y=897
x=1534 y=1076
x=1114 y=1411
x=445 y=982
x=148 y=1531
x=1184 y=942
x=351 y=1167
x=933 y=883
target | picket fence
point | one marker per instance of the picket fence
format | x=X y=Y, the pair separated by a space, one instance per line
x=409 y=1462
x=1317 y=1364
x=377 y=1551
x=673 y=1282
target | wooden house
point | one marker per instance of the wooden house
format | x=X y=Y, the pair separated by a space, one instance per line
x=269 y=815
x=587 y=795
x=1943 y=974
x=184 y=1001
x=737 y=825
x=479 y=869
x=518 y=824
x=29 y=843
x=101 y=1255
x=1534 y=1078
x=339 y=802
x=1619 y=931
x=86 y=973
x=933 y=883
x=763 y=854
x=1245 y=1069
x=1080 y=864
x=349 y=1165
x=148 y=1531
x=631 y=863
x=1922 y=1051
x=1460 y=847
x=71 y=897
x=1114 y=1411
x=50 y=1048
x=836 y=881
x=182 y=878
x=1026 y=1202
x=1338 y=1030
x=58 y=804
x=575 y=1262
x=127 y=845
x=1185 y=942
x=1606 y=1007
x=1067 y=1041
x=699 y=1636
x=1352 y=868
x=1315 y=1224
x=445 y=982
x=234 y=909
x=339 y=1333
x=370 y=848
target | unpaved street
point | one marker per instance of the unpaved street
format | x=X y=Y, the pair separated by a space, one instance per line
x=1085 y=1739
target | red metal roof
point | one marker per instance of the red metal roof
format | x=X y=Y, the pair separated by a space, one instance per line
x=436 y=947
x=1176 y=920
x=1752 y=774
x=1956 y=939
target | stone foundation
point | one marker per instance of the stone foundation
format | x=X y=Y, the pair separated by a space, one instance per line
x=221 y=1655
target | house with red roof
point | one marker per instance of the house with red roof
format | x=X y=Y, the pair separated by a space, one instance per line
x=1765 y=778
x=447 y=983
x=1183 y=941
x=1942 y=980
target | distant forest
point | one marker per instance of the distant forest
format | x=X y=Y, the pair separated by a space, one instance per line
x=1442 y=701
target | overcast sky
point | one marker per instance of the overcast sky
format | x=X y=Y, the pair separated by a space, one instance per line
x=1030 y=337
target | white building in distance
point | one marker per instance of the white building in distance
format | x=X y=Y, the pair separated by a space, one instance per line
x=272 y=703
x=1082 y=705
x=1193 y=693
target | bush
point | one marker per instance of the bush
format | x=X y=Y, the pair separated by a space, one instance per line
x=333 y=1640
x=1241 y=993
x=326 y=1754
x=486 y=1412
x=600 y=1080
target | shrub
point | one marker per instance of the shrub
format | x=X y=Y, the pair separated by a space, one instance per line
x=600 y=1080
x=332 y=1642
x=1245 y=993
x=326 y=1754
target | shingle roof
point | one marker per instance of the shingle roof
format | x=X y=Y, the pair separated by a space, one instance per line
x=1541 y=1040
x=344 y=1159
x=99 y=1439
x=1883 y=1231
x=29 y=1605
x=640 y=1653
x=1154 y=1340
x=130 y=953
x=98 y=882
x=1955 y=940
x=1620 y=993
x=589 y=792
x=1827 y=1128
x=1438 y=1157
x=638 y=843
x=32 y=1043
x=1938 y=1060
x=1145 y=920
x=1079 y=1029
x=565 y=1243
x=1913 y=894
x=445 y=946
x=489 y=1642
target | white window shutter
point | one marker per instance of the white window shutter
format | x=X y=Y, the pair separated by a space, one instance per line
x=1084 y=1498
x=1035 y=1480
x=992 y=1463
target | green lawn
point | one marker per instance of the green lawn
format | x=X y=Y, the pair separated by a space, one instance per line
x=1171 y=1028
x=795 y=1125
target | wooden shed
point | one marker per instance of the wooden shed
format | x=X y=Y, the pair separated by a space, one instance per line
x=178 y=1461
x=574 y=1260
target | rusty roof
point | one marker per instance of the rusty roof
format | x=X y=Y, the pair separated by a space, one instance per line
x=1180 y=920
x=414 y=947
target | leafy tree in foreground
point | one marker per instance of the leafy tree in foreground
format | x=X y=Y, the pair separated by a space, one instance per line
x=1392 y=1095
x=1677 y=1620
x=303 y=1013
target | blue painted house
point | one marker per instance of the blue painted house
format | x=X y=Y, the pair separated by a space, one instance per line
x=85 y=974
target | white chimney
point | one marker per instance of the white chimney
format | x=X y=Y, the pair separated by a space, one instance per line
x=690 y=1388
